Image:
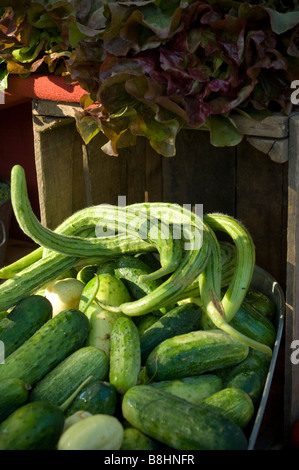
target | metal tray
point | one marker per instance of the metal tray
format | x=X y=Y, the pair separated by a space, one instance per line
x=266 y=284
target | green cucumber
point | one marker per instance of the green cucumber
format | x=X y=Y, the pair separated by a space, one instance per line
x=125 y=358
x=250 y=375
x=47 y=347
x=193 y=389
x=179 y=424
x=86 y=273
x=194 y=353
x=33 y=426
x=129 y=269
x=135 y=440
x=66 y=377
x=179 y=320
x=13 y=394
x=260 y=302
x=25 y=318
x=98 y=397
x=253 y=324
x=232 y=403
x=110 y=289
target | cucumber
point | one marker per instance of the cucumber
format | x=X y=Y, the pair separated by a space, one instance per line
x=179 y=424
x=101 y=323
x=98 y=397
x=193 y=389
x=253 y=324
x=125 y=358
x=129 y=269
x=110 y=290
x=144 y=322
x=28 y=315
x=13 y=394
x=33 y=426
x=179 y=320
x=260 y=302
x=232 y=403
x=194 y=353
x=64 y=379
x=250 y=375
x=86 y=273
x=135 y=440
x=47 y=347
x=97 y=432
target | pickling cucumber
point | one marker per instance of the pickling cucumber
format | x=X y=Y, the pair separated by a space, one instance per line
x=66 y=377
x=47 y=347
x=193 y=389
x=179 y=424
x=129 y=269
x=33 y=426
x=194 y=353
x=13 y=394
x=28 y=315
x=253 y=324
x=179 y=320
x=135 y=440
x=125 y=358
x=249 y=375
x=232 y=403
x=95 y=397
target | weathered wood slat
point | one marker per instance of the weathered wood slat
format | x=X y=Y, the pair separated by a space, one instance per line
x=58 y=160
x=292 y=288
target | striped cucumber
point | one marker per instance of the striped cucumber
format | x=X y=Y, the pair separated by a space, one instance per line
x=169 y=248
x=218 y=312
x=47 y=347
x=125 y=359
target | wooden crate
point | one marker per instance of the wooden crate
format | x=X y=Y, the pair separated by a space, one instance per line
x=256 y=181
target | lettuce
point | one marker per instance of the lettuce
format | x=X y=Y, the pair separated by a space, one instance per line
x=153 y=67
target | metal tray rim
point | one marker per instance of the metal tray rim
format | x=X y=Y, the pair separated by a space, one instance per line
x=276 y=294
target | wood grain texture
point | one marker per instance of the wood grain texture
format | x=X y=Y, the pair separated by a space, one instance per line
x=292 y=288
x=58 y=159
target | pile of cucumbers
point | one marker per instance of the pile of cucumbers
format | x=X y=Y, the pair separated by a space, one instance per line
x=167 y=346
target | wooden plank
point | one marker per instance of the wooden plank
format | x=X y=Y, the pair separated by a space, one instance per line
x=260 y=196
x=200 y=174
x=276 y=149
x=112 y=177
x=58 y=159
x=292 y=289
x=54 y=108
x=154 y=176
x=276 y=126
